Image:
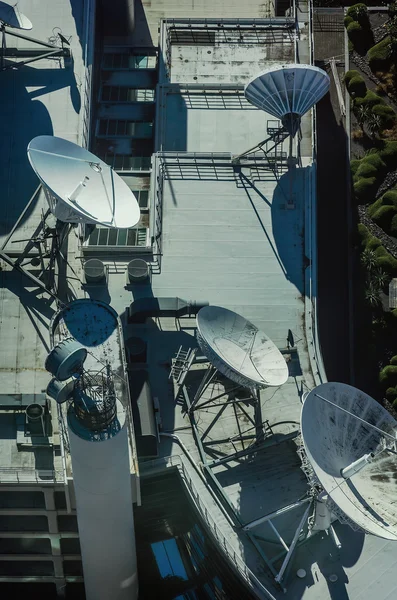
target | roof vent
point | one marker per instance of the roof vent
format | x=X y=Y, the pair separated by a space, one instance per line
x=137 y=271
x=94 y=271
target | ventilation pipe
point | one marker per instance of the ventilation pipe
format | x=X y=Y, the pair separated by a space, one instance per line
x=142 y=308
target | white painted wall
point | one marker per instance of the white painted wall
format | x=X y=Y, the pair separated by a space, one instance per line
x=102 y=483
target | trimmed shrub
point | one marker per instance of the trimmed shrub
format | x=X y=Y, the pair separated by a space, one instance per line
x=347 y=20
x=363 y=233
x=378 y=56
x=393 y=360
x=357 y=87
x=390 y=198
x=389 y=154
x=370 y=99
x=355 y=32
x=374 y=207
x=366 y=170
x=354 y=165
x=387 y=263
x=349 y=75
x=357 y=10
x=364 y=189
x=393 y=227
x=374 y=158
x=383 y=216
x=388 y=375
x=386 y=113
x=373 y=243
x=391 y=394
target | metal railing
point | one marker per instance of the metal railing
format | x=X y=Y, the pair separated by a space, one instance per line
x=30 y=475
x=222 y=544
x=88 y=51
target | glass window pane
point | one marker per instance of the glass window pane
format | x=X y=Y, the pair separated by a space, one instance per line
x=125 y=61
x=122 y=237
x=121 y=126
x=103 y=237
x=123 y=95
x=143 y=198
x=112 y=239
x=102 y=127
x=93 y=239
x=131 y=239
x=112 y=125
x=114 y=93
x=106 y=93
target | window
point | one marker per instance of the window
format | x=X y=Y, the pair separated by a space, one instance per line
x=121 y=162
x=106 y=236
x=114 y=93
x=168 y=559
x=117 y=128
x=118 y=61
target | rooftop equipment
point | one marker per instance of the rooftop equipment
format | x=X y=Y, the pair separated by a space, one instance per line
x=81 y=188
x=350 y=442
x=239 y=350
x=288 y=92
x=94 y=271
x=66 y=359
x=138 y=270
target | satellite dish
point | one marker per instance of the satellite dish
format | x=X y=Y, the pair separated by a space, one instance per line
x=238 y=349
x=66 y=359
x=288 y=92
x=11 y=16
x=346 y=436
x=61 y=391
x=81 y=188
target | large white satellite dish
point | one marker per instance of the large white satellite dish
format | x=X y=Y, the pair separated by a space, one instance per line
x=288 y=92
x=81 y=188
x=347 y=436
x=11 y=16
x=238 y=349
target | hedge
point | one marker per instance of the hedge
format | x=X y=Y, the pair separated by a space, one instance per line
x=366 y=169
x=355 y=84
x=390 y=198
x=364 y=189
x=378 y=56
x=391 y=394
x=388 y=375
x=389 y=154
x=393 y=360
x=383 y=216
x=354 y=165
x=393 y=226
x=386 y=113
x=374 y=158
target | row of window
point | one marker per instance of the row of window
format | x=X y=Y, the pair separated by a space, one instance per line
x=120 y=127
x=128 y=61
x=121 y=93
x=38 y=546
x=105 y=236
x=66 y=523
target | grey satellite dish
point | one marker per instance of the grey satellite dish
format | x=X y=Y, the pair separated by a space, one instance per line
x=238 y=349
x=61 y=391
x=10 y=16
x=288 y=92
x=81 y=188
x=350 y=441
x=66 y=359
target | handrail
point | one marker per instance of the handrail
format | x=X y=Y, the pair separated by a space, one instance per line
x=37 y=475
x=89 y=33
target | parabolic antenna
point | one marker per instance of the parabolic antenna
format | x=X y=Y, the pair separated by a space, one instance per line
x=350 y=458
x=288 y=92
x=81 y=188
x=238 y=349
x=12 y=17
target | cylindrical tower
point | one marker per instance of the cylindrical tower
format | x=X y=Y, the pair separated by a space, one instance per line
x=101 y=473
